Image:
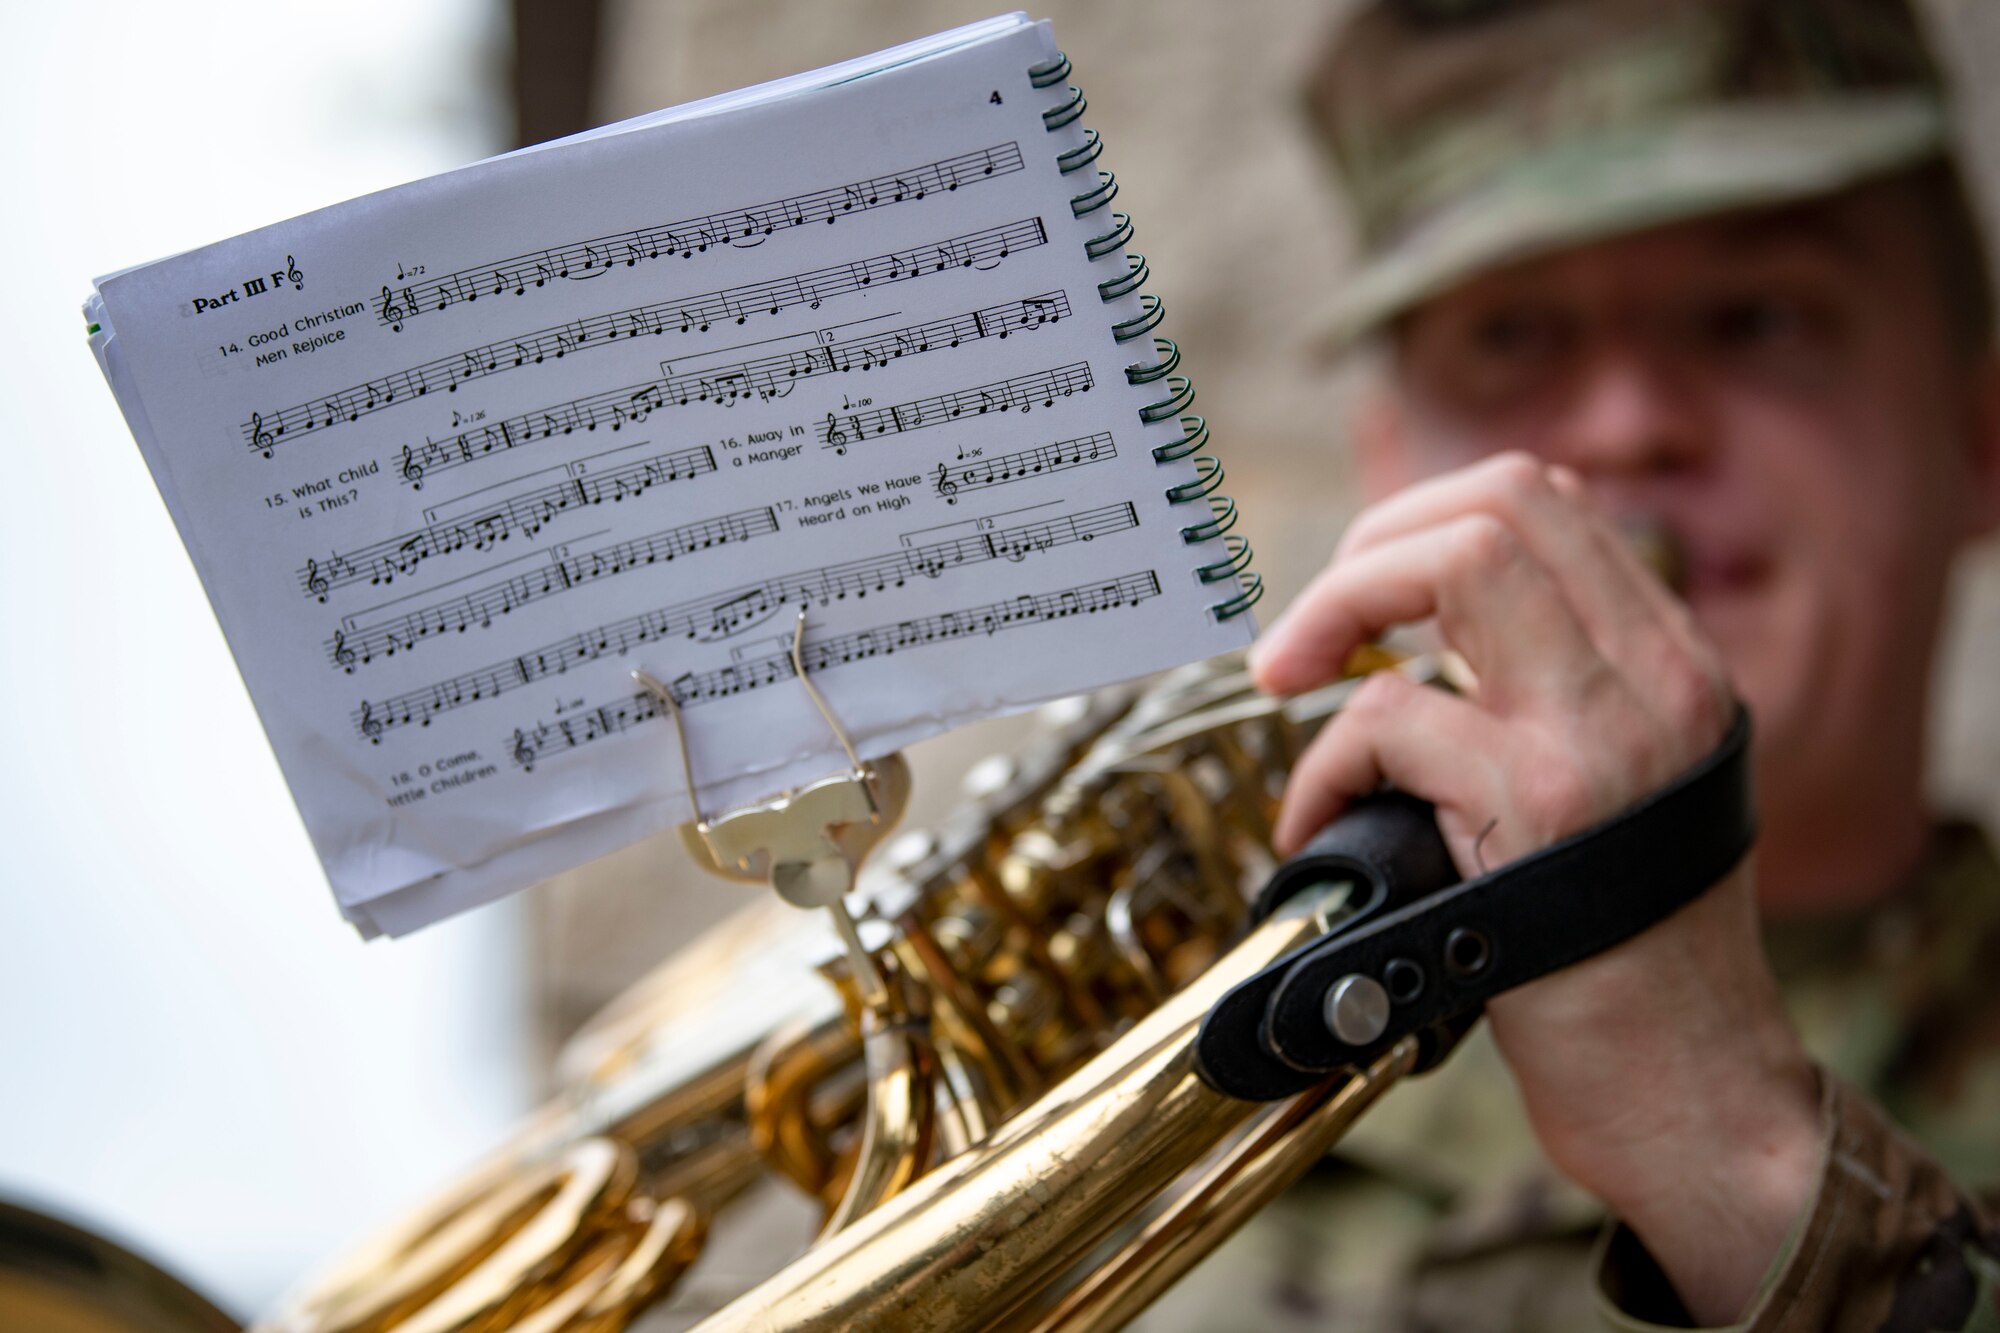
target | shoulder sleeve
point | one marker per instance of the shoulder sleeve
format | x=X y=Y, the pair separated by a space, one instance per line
x=1887 y=1244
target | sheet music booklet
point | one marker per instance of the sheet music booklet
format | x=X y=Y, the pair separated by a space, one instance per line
x=453 y=459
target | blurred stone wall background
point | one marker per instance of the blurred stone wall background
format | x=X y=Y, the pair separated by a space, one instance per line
x=1199 y=109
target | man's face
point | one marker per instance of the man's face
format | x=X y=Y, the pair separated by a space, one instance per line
x=1781 y=393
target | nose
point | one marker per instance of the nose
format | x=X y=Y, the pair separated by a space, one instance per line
x=1627 y=417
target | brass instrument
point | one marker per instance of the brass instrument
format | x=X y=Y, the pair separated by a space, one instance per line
x=58 y=1277
x=1000 y=1125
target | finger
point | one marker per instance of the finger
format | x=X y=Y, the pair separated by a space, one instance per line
x=1618 y=601
x=1493 y=601
x=1615 y=547
x=1431 y=744
x=1685 y=684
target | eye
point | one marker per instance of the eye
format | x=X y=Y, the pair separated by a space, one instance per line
x=1518 y=333
x=1485 y=352
x=1748 y=323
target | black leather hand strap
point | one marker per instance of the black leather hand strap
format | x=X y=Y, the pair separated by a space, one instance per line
x=1421 y=954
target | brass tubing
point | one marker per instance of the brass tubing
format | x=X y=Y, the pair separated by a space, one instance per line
x=999 y=896
x=1252 y=1173
x=1007 y=1069
x=900 y=1118
x=668 y=1247
x=633 y=1265
x=460 y=1266
x=708 y=1177
x=572 y=1290
x=698 y=1098
x=967 y=1110
x=980 y=1235
x=1246 y=803
x=777 y=1098
x=1121 y=927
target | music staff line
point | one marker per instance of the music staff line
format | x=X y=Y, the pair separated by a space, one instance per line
x=982 y=250
x=977 y=473
x=840 y=431
x=740 y=228
x=983 y=519
x=551 y=553
x=760 y=377
x=691 y=689
x=383 y=562
x=724 y=614
x=564 y=571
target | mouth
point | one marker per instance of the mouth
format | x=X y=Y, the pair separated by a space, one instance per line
x=1723 y=574
x=1695 y=568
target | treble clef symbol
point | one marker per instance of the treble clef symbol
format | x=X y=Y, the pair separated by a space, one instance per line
x=392 y=314
x=315 y=581
x=524 y=753
x=259 y=437
x=835 y=436
x=298 y=279
x=371 y=726
x=343 y=657
x=413 y=471
x=946 y=486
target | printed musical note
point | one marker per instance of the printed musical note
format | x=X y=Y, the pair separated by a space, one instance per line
x=976 y=473
x=530 y=745
x=478 y=607
x=1039 y=310
x=753 y=228
x=727 y=614
x=579 y=260
x=761 y=379
x=524 y=513
x=1022 y=393
x=765 y=377
x=686 y=314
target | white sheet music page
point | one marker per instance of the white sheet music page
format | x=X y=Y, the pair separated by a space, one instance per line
x=453 y=459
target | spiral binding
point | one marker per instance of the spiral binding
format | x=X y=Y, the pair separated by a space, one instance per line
x=1234 y=564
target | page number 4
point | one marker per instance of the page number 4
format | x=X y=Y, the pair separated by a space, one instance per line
x=995 y=99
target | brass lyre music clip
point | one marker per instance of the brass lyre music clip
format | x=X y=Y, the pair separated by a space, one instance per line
x=809 y=842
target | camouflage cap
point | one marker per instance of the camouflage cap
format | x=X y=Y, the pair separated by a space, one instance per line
x=1472 y=133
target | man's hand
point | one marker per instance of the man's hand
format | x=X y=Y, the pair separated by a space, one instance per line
x=1661 y=1075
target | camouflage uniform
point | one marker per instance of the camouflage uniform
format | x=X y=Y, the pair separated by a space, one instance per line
x=1468 y=134
x=1438 y=1212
